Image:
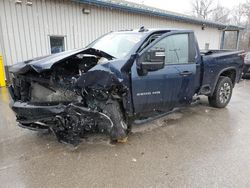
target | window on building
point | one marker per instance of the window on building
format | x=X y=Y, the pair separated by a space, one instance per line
x=56 y=44
x=176 y=48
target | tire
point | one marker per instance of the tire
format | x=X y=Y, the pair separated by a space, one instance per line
x=222 y=93
x=120 y=127
x=246 y=76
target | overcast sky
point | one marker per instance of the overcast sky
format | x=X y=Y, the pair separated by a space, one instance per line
x=183 y=6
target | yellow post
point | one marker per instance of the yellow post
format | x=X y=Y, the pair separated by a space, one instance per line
x=2 y=77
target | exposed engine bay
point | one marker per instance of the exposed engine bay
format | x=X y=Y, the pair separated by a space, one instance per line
x=70 y=100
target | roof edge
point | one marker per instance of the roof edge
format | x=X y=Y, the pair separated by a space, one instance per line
x=136 y=8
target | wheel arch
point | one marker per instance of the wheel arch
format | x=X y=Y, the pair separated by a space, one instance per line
x=229 y=72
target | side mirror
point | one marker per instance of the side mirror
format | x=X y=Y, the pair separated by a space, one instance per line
x=152 y=60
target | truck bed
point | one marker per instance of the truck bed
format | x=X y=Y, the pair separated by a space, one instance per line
x=209 y=52
x=217 y=61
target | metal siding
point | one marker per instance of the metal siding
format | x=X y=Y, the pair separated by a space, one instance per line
x=2 y=49
x=26 y=29
x=38 y=24
x=146 y=10
x=5 y=33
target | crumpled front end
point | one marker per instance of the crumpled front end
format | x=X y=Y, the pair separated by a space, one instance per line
x=70 y=100
x=68 y=122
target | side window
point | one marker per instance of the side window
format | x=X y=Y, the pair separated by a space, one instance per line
x=176 y=48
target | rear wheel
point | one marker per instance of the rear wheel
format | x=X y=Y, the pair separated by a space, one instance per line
x=222 y=93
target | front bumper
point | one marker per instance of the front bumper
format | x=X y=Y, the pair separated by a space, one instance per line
x=48 y=114
x=67 y=122
x=27 y=112
x=30 y=113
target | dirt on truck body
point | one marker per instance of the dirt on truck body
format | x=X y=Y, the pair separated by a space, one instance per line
x=118 y=78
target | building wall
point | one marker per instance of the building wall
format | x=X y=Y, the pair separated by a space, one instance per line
x=25 y=30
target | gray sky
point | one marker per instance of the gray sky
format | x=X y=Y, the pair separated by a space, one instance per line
x=183 y=6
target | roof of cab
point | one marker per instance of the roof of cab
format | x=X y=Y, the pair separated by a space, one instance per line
x=152 y=30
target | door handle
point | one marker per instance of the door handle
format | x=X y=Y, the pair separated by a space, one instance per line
x=186 y=73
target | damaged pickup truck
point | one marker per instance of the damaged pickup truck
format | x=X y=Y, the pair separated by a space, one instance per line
x=120 y=77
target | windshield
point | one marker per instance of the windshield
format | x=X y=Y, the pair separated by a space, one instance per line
x=117 y=45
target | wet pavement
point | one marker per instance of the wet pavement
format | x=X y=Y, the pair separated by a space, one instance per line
x=198 y=146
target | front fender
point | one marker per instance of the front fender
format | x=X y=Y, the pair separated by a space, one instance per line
x=99 y=80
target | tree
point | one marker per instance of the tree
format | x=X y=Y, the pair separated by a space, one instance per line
x=239 y=15
x=207 y=10
x=202 y=8
x=220 y=14
x=246 y=9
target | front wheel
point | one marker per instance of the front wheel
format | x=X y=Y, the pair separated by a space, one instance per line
x=222 y=93
x=119 y=128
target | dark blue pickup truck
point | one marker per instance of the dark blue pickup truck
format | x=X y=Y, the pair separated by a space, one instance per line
x=120 y=77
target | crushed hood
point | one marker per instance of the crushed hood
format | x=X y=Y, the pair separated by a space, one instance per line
x=46 y=62
x=103 y=76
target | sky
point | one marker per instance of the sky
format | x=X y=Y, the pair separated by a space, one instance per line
x=183 y=6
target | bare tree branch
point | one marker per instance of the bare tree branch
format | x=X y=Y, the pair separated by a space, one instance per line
x=220 y=14
x=239 y=15
x=202 y=8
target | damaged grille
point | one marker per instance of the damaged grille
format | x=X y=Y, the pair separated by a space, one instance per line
x=31 y=91
x=40 y=93
x=21 y=89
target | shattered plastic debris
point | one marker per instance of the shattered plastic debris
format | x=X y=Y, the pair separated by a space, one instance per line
x=123 y=140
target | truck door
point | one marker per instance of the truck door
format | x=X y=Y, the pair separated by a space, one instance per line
x=171 y=86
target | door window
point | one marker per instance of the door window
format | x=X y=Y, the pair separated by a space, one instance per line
x=56 y=44
x=176 y=48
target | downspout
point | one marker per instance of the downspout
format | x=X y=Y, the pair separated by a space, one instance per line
x=238 y=40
